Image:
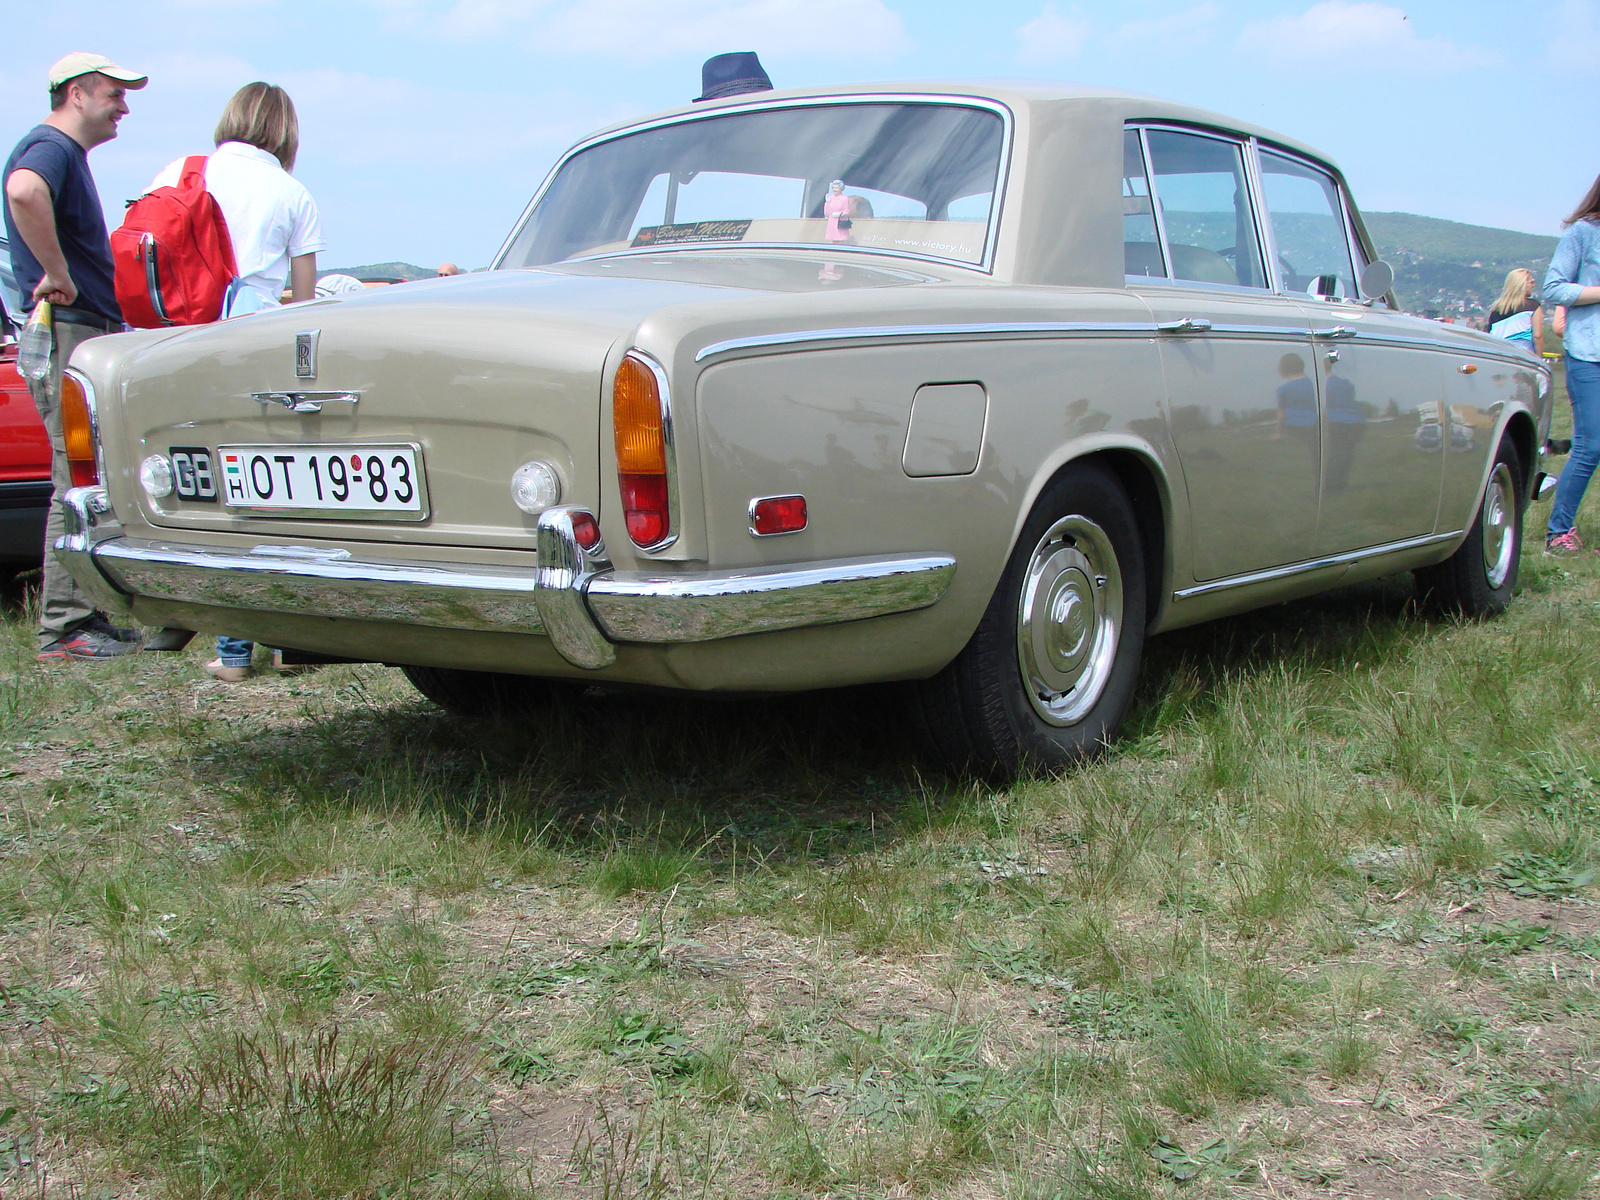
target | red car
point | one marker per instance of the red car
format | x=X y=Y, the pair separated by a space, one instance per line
x=24 y=445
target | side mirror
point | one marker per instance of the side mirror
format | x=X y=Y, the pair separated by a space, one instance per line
x=1376 y=280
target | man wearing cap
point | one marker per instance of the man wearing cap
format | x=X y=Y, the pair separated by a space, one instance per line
x=60 y=253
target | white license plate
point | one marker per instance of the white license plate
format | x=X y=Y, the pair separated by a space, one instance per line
x=325 y=481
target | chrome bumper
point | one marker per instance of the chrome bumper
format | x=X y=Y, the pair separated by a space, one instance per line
x=573 y=595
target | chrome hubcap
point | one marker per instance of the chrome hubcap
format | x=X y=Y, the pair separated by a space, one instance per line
x=1069 y=620
x=1499 y=516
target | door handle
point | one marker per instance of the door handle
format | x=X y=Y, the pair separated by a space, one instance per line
x=1187 y=325
x=1334 y=334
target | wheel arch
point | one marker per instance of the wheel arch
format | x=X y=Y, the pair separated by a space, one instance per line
x=1524 y=437
x=1145 y=484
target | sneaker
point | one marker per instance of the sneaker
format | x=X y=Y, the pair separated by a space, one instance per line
x=221 y=670
x=99 y=624
x=1564 y=543
x=86 y=643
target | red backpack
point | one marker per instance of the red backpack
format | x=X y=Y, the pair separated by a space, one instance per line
x=173 y=255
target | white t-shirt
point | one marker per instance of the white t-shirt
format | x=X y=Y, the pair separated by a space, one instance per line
x=270 y=215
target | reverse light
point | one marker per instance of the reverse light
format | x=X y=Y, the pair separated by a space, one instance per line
x=641 y=422
x=155 y=474
x=78 y=430
x=535 y=486
x=772 y=515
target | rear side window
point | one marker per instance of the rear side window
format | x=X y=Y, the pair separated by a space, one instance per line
x=1141 y=248
x=1308 y=228
x=1204 y=203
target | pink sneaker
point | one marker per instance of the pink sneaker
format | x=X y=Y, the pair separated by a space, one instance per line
x=1564 y=543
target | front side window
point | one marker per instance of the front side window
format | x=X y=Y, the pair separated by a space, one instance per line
x=1205 y=208
x=1308 y=229
x=913 y=178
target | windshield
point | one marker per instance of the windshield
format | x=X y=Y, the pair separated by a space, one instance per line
x=912 y=178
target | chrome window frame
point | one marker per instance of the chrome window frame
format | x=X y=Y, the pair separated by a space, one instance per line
x=940 y=99
x=1155 y=209
x=669 y=448
x=1333 y=176
x=1243 y=143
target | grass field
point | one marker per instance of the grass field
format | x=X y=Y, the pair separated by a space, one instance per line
x=1323 y=925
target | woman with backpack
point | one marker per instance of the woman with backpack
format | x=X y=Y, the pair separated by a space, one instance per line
x=273 y=223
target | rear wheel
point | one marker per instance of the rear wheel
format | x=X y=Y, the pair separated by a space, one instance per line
x=1048 y=676
x=483 y=693
x=1477 y=580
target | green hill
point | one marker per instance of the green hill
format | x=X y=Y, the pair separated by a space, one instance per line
x=1446 y=267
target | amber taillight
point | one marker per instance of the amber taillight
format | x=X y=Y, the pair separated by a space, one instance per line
x=77 y=431
x=639 y=420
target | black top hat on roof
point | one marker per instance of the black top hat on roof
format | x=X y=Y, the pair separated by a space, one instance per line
x=732 y=75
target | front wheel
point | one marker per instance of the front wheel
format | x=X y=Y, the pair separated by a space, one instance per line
x=1047 y=678
x=1477 y=580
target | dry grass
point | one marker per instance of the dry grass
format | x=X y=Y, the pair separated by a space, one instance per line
x=1324 y=925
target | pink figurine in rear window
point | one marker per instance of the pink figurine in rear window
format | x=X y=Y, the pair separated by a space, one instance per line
x=837 y=209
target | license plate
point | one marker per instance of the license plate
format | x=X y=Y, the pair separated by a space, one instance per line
x=385 y=482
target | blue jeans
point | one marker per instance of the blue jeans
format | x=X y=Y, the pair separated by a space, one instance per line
x=234 y=652
x=1583 y=388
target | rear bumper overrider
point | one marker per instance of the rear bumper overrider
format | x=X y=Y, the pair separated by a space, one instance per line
x=573 y=596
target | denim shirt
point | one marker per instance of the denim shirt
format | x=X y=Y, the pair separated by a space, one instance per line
x=1575 y=266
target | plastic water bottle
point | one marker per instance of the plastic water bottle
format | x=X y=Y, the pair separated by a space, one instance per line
x=35 y=344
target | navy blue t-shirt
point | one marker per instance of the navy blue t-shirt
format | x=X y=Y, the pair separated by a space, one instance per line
x=80 y=223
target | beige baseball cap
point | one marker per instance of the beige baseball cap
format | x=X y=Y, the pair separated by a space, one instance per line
x=80 y=62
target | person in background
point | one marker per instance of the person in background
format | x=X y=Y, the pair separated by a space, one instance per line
x=276 y=235
x=1516 y=315
x=448 y=268
x=1573 y=281
x=61 y=255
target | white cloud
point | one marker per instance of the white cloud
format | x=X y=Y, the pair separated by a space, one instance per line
x=1577 y=43
x=640 y=30
x=1186 y=26
x=1355 y=34
x=1051 y=37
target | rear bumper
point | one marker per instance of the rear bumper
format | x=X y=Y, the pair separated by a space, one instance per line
x=573 y=596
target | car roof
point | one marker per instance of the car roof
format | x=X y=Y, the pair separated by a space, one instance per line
x=1042 y=97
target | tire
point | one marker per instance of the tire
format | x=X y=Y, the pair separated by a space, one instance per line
x=483 y=693
x=1478 y=579
x=1047 y=678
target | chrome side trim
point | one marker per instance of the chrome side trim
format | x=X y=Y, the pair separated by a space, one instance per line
x=946 y=99
x=564 y=571
x=719 y=604
x=1301 y=568
x=768 y=341
x=668 y=442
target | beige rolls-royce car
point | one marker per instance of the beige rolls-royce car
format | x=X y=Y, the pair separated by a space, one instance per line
x=972 y=388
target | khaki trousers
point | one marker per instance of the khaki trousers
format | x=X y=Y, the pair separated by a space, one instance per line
x=62 y=604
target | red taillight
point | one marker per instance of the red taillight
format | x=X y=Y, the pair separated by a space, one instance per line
x=777 y=514
x=638 y=420
x=77 y=432
x=586 y=530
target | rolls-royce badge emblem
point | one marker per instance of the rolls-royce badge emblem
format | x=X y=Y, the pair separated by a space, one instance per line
x=305 y=353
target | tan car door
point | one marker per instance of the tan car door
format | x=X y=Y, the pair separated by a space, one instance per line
x=1381 y=396
x=1240 y=381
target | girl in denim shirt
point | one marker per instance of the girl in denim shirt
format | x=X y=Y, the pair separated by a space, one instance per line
x=1573 y=281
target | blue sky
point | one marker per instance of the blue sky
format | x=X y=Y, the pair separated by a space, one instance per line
x=427 y=124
